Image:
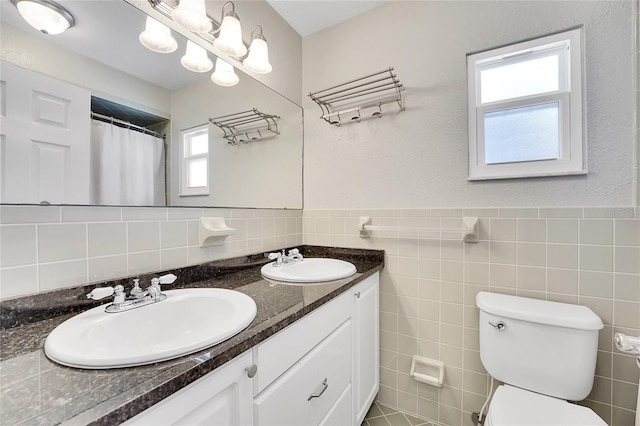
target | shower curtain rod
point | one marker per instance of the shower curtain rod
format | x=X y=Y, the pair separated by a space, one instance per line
x=126 y=124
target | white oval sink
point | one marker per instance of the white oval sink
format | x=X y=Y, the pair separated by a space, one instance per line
x=309 y=270
x=185 y=322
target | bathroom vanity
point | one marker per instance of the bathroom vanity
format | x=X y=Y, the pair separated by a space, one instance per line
x=310 y=355
x=321 y=369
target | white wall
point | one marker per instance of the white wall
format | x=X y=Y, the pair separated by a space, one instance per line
x=418 y=158
x=539 y=238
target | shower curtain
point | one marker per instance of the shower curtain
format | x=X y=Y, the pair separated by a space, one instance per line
x=127 y=167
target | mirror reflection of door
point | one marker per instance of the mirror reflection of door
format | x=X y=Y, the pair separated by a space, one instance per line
x=44 y=129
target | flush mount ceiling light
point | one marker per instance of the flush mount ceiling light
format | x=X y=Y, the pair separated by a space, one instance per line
x=192 y=15
x=45 y=16
x=224 y=75
x=229 y=40
x=157 y=37
x=258 y=58
x=195 y=59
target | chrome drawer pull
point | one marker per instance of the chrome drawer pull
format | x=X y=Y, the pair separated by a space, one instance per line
x=251 y=371
x=318 y=394
x=499 y=325
x=357 y=294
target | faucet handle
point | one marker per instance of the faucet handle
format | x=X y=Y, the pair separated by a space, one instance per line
x=100 y=293
x=293 y=252
x=273 y=256
x=167 y=279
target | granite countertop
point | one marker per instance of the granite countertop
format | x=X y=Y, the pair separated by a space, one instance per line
x=35 y=390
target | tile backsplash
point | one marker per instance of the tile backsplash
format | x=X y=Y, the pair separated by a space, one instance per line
x=49 y=247
x=588 y=256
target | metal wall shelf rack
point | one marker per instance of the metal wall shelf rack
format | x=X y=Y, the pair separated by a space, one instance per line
x=247 y=126
x=348 y=101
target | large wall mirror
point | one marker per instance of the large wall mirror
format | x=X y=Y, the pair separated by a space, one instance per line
x=74 y=105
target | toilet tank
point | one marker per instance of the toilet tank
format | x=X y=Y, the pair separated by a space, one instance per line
x=545 y=347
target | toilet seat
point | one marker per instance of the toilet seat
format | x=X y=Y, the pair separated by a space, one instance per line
x=511 y=406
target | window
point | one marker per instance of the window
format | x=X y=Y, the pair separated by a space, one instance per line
x=194 y=155
x=525 y=109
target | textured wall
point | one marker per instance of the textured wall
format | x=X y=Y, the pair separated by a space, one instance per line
x=418 y=158
x=392 y=167
x=587 y=256
x=636 y=38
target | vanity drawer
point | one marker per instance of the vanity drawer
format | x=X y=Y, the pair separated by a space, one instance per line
x=277 y=354
x=340 y=414
x=286 y=401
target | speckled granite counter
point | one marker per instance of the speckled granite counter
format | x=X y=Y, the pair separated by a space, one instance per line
x=34 y=390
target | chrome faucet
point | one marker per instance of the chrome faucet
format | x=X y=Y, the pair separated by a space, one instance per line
x=137 y=298
x=284 y=259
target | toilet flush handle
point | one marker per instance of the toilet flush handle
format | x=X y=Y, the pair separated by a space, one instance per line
x=499 y=325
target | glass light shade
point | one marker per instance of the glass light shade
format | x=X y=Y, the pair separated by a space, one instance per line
x=195 y=59
x=224 y=75
x=45 y=16
x=230 y=39
x=192 y=15
x=258 y=59
x=157 y=37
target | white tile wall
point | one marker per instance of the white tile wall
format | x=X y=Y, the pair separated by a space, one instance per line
x=48 y=247
x=589 y=256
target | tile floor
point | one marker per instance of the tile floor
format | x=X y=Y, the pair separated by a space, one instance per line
x=381 y=415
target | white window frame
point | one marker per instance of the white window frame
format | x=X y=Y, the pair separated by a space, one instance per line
x=185 y=160
x=572 y=150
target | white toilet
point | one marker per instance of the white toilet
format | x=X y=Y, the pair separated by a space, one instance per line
x=545 y=353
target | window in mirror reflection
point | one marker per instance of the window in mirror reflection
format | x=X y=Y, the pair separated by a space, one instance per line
x=195 y=161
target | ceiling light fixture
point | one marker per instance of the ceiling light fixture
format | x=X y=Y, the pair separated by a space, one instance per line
x=192 y=14
x=225 y=36
x=229 y=39
x=157 y=37
x=195 y=59
x=258 y=58
x=224 y=75
x=45 y=16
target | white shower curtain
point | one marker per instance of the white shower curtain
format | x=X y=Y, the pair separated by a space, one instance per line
x=127 y=167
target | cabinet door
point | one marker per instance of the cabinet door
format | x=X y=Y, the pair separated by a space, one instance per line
x=44 y=138
x=221 y=398
x=365 y=322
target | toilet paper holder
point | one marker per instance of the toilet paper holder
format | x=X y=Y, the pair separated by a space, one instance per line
x=427 y=370
x=628 y=344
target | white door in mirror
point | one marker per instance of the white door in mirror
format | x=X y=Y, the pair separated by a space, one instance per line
x=45 y=133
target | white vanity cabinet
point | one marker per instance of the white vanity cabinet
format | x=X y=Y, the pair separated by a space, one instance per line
x=366 y=348
x=320 y=370
x=221 y=398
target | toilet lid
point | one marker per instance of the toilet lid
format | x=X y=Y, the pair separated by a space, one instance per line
x=511 y=406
